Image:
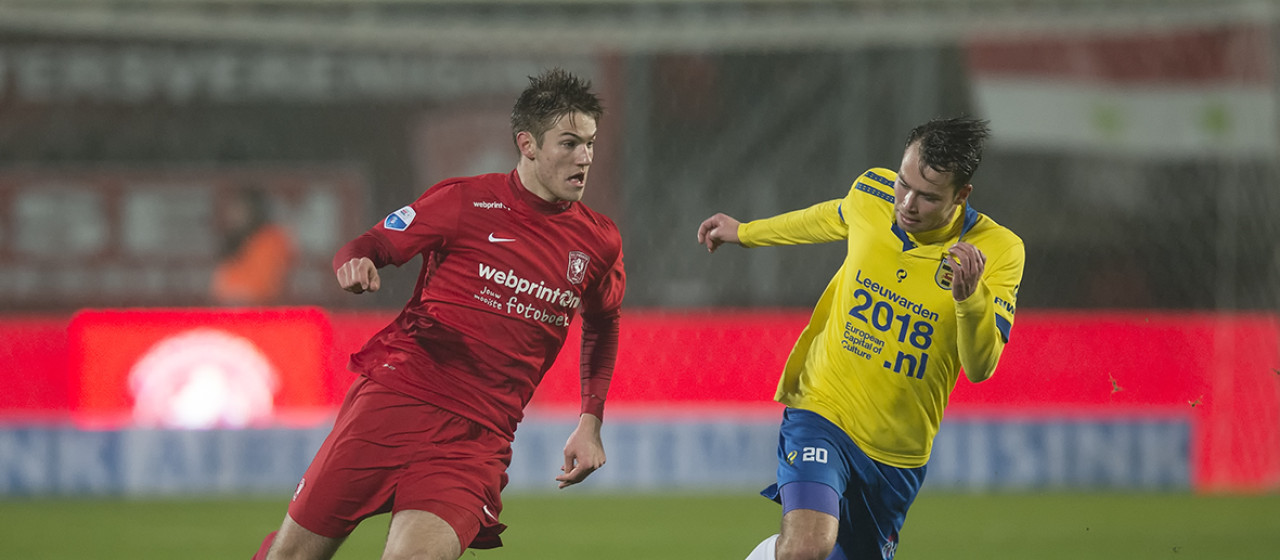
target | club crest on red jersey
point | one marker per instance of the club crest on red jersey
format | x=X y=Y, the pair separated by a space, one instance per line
x=577 y=266
x=944 y=275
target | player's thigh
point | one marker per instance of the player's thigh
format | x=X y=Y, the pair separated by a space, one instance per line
x=421 y=535
x=295 y=542
x=812 y=449
x=807 y=534
x=460 y=480
x=354 y=474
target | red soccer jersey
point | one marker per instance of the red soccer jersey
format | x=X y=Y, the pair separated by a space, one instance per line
x=504 y=274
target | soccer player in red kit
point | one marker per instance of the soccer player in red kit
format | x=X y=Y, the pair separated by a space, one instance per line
x=509 y=260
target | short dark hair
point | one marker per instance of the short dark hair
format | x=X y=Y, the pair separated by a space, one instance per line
x=550 y=96
x=952 y=146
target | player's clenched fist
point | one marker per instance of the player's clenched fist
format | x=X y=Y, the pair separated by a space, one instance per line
x=716 y=230
x=359 y=275
x=967 y=265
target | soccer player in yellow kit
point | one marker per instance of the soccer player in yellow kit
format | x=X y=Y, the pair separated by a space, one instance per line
x=928 y=288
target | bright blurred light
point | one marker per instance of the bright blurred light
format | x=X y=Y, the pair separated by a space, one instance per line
x=203 y=378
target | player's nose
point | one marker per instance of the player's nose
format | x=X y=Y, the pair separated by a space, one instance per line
x=908 y=204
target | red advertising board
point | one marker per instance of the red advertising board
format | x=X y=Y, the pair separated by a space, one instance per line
x=197 y=368
x=1220 y=371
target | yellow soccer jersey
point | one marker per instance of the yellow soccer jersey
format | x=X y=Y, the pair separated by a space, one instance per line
x=886 y=341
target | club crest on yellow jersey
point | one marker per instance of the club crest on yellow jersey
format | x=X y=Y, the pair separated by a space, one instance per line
x=944 y=275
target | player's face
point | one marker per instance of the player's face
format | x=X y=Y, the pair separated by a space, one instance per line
x=925 y=199
x=561 y=161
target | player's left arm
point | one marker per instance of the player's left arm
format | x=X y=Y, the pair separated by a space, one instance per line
x=583 y=453
x=986 y=297
x=602 y=311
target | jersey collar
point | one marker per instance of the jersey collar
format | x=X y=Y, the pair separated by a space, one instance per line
x=531 y=200
x=908 y=241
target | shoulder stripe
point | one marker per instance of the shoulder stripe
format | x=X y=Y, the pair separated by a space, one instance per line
x=873 y=191
x=883 y=181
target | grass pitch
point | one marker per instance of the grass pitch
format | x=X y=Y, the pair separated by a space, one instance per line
x=577 y=525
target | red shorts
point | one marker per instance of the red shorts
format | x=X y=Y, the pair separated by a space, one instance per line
x=389 y=452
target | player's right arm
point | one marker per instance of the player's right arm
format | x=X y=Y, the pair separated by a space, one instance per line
x=718 y=230
x=358 y=275
x=421 y=227
x=820 y=223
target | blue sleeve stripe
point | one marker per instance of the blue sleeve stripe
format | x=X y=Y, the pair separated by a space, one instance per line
x=840 y=210
x=879 y=179
x=1004 y=326
x=874 y=192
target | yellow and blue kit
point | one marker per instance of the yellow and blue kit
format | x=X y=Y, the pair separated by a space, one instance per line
x=886 y=342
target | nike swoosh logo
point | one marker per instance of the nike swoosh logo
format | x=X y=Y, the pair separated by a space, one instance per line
x=493 y=239
x=489 y=513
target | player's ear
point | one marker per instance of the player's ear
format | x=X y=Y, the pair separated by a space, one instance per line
x=527 y=144
x=962 y=193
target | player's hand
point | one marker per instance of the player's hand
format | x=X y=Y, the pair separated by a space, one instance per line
x=359 y=275
x=967 y=264
x=583 y=453
x=717 y=230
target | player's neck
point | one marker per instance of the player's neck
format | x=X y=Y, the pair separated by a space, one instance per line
x=952 y=229
x=529 y=181
x=523 y=176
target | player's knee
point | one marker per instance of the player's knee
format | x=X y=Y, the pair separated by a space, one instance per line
x=804 y=549
x=421 y=535
x=293 y=541
x=445 y=552
x=420 y=555
x=295 y=550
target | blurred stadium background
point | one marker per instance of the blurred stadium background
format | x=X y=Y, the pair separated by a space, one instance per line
x=1135 y=415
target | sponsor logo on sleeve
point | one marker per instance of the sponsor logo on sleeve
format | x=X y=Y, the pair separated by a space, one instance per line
x=400 y=219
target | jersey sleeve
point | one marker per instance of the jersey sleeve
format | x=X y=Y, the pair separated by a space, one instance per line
x=422 y=227
x=604 y=297
x=820 y=223
x=367 y=245
x=985 y=319
x=601 y=318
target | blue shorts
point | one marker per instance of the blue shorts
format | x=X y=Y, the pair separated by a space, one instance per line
x=874 y=497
